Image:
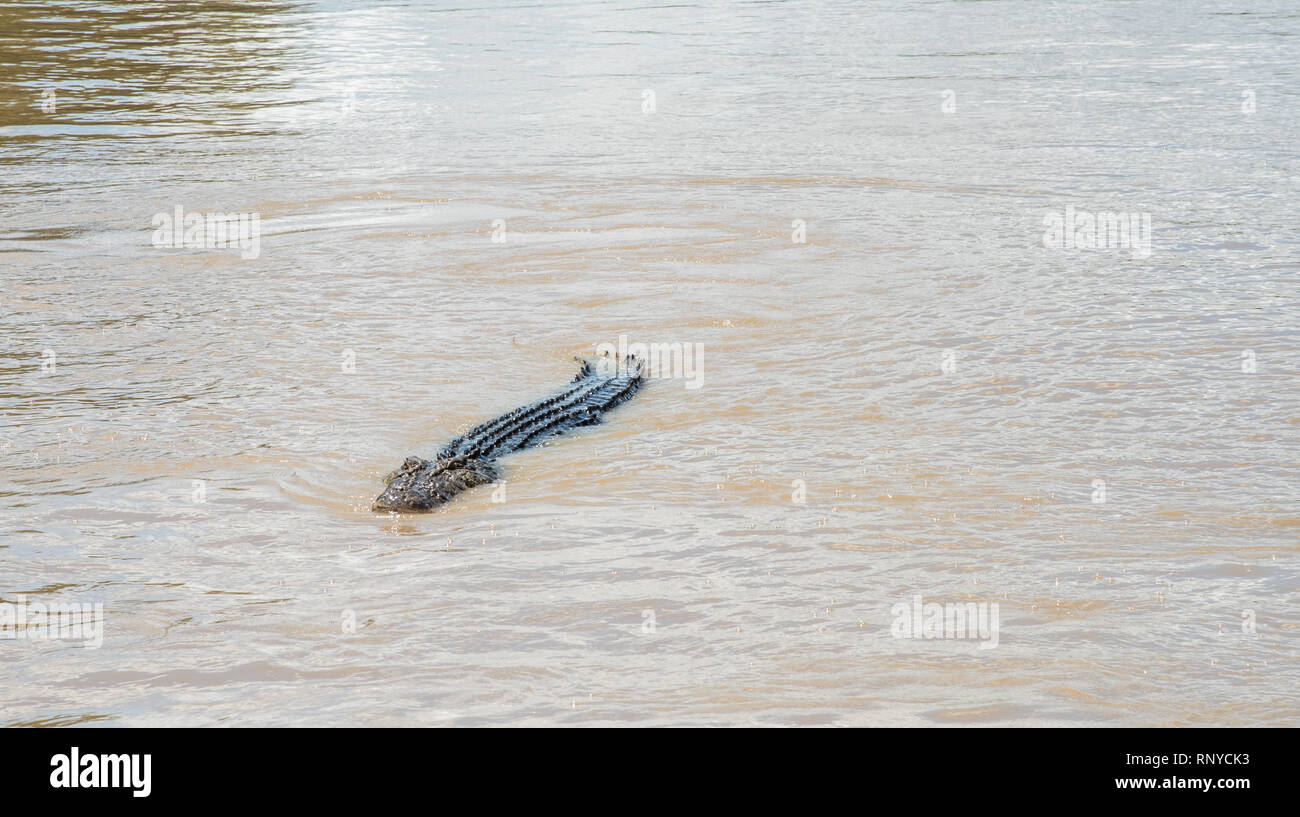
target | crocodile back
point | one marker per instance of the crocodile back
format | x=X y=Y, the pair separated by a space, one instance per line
x=596 y=389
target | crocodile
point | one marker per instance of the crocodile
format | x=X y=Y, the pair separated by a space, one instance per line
x=471 y=459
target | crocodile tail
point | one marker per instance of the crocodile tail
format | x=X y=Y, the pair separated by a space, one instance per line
x=630 y=368
x=585 y=371
x=616 y=385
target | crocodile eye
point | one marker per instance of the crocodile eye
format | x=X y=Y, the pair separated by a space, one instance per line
x=411 y=464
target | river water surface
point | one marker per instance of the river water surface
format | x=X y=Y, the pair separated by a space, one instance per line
x=904 y=392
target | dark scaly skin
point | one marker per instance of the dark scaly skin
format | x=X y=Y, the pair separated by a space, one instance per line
x=470 y=460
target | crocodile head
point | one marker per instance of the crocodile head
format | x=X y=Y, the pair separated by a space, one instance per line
x=422 y=485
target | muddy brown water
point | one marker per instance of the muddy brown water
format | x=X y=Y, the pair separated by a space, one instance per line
x=903 y=391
